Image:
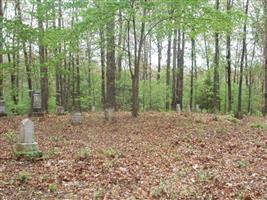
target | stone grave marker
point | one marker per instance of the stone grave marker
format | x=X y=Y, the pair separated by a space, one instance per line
x=60 y=110
x=76 y=118
x=198 y=110
x=37 y=104
x=178 y=108
x=189 y=108
x=93 y=108
x=26 y=146
x=109 y=114
x=2 y=108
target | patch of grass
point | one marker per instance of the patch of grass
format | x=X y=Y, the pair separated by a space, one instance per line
x=111 y=153
x=111 y=163
x=159 y=191
x=52 y=187
x=177 y=156
x=24 y=176
x=56 y=138
x=51 y=153
x=232 y=119
x=258 y=126
x=204 y=175
x=222 y=130
x=189 y=192
x=259 y=143
x=243 y=163
x=11 y=137
x=99 y=194
x=84 y=153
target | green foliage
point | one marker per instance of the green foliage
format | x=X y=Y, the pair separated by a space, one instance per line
x=83 y=153
x=111 y=153
x=11 y=137
x=23 y=176
x=52 y=187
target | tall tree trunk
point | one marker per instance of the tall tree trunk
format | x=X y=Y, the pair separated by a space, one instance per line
x=168 y=71
x=1 y=48
x=239 y=104
x=159 y=45
x=103 y=70
x=43 y=67
x=265 y=54
x=216 y=80
x=137 y=56
x=174 y=63
x=111 y=65
x=192 y=73
x=228 y=58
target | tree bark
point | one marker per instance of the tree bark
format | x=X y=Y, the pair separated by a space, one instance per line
x=168 y=71
x=244 y=46
x=265 y=54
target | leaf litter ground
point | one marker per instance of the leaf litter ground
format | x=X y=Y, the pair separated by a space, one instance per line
x=156 y=156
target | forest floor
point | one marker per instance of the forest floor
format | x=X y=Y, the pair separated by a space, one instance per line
x=156 y=156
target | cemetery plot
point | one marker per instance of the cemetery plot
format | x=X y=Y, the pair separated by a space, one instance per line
x=156 y=156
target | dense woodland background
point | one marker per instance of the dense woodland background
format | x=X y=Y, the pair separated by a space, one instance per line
x=136 y=55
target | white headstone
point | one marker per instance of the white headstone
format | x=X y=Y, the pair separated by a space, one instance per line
x=2 y=106
x=178 y=108
x=76 y=118
x=27 y=131
x=198 y=108
x=109 y=114
x=93 y=108
x=27 y=147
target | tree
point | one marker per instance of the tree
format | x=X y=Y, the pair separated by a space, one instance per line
x=265 y=53
x=244 y=47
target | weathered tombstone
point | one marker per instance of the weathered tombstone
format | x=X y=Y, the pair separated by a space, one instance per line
x=109 y=114
x=37 y=104
x=2 y=108
x=178 y=108
x=60 y=110
x=26 y=146
x=198 y=108
x=93 y=108
x=189 y=108
x=76 y=118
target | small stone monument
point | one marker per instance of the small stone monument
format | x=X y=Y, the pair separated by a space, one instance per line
x=76 y=118
x=109 y=114
x=2 y=108
x=189 y=108
x=26 y=146
x=60 y=110
x=37 y=104
x=93 y=108
x=178 y=108
x=198 y=110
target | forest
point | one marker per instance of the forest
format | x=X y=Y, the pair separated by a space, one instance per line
x=134 y=55
x=133 y=99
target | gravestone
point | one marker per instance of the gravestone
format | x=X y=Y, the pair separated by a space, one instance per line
x=60 y=110
x=189 y=108
x=198 y=108
x=26 y=146
x=93 y=108
x=2 y=108
x=76 y=118
x=37 y=104
x=178 y=108
x=109 y=114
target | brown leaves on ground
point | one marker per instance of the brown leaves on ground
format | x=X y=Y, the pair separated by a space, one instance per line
x=156 y=156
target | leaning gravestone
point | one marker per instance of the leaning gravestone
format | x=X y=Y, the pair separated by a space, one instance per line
x=76 y=118
x=37 y=104
x=178 y=108
x=27 y=147
x=2 y=108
